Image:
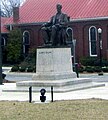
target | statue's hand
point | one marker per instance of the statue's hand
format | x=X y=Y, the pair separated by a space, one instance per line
x=44 y=24
x=47 y=24
x=58 y=25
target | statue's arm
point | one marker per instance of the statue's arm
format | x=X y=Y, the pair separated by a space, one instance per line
x=49 y=23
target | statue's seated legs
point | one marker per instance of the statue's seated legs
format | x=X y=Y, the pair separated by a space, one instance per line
x=56 y=36
x=62 y=36
x=50 y=35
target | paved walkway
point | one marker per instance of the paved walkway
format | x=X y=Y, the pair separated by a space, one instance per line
x=99 y=92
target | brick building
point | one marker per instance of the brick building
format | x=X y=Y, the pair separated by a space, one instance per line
x=86 y=16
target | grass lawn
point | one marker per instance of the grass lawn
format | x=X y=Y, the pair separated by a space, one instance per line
x=90 y=109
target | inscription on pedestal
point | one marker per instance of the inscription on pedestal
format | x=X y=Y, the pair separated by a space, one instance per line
x=45 y=61
x=54 y=60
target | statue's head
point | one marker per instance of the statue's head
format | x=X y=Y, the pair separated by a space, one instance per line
x=58 y=7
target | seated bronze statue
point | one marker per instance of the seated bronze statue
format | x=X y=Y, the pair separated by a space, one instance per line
x=54 y=31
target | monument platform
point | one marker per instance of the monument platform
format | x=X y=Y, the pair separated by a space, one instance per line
x=54 y=68
x=65 y=85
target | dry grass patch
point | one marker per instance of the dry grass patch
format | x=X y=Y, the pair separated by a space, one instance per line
x=91 y=109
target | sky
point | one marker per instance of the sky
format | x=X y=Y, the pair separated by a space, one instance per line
x=13 y=1
x=7 y=5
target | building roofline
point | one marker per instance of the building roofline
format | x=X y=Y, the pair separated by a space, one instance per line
x=24 y=24
x=71 y=20
x=89 y=19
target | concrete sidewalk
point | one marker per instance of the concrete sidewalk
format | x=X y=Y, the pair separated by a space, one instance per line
x=99 y=92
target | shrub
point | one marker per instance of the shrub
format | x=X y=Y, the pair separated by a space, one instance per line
x=105 y=62
x=14 y=46
x=93 y=61
x=105 y=69
x=34 y=69
x=31 y=58
x=89 y=69
x=29 y=62
x=81 y=69
x=30 y=69
x=88 y=61
x=97 y=69
x=15 y=68
x=22 y=68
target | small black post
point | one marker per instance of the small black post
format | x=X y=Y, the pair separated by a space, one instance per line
x=51 y=93
x=1 y=79
x=30 y=94
x=76 y=70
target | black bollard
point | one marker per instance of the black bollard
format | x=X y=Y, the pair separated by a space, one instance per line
x=51 y=93
x=30 y=94
x=76 y=70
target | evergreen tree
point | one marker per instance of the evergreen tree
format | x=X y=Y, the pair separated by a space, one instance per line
x=14 y=46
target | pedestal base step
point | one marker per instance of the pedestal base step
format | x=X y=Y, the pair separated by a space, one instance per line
x=59 y=86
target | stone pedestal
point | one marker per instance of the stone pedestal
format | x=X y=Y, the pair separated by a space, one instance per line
x=54 y=68
x=53 y=64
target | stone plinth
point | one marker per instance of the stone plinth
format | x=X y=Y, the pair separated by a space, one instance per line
x=54 y=68
x=53 y=64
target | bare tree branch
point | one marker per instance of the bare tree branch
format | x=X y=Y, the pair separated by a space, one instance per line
x=7 y=6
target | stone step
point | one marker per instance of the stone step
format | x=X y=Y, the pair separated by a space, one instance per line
x=55 y=83
x=61 y=89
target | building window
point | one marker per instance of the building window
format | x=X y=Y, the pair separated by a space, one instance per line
x=69 y=32
x=92 y=41
x=26 y=42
